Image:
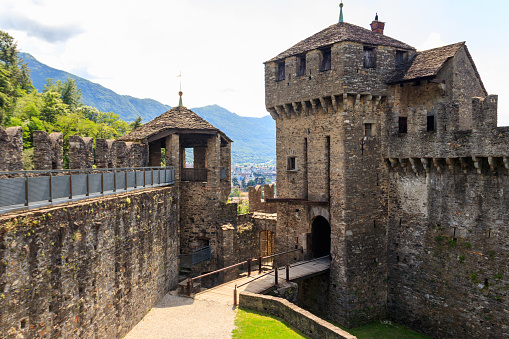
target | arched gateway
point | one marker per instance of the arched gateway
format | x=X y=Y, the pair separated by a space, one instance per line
x=320 y=237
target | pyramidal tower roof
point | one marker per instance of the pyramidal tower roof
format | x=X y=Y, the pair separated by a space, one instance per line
x=178 y=119
x=339 y=32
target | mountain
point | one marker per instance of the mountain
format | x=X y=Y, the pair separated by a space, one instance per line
x=254 y=138
x=95 y=95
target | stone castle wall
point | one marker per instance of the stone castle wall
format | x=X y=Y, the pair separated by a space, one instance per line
x=257 y=204
x=91 y=269
x=447 y=250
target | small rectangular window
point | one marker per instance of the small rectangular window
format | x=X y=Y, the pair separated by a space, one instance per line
x=302 y=66
x=369 y=57
x=430 y=125
x=400 y=58
x=280 y=76
x=402 y=125
x=326 y=60
x=368 y=130
x=291 y=164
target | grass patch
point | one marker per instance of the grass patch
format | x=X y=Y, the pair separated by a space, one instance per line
x=383 y=330
x=252 y=324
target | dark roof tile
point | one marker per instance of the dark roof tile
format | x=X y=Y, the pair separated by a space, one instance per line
x=341 y=32
x=426 y=64
x=178 y=118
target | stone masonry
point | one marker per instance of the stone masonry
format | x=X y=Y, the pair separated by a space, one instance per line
x=391 y=159
x=11 y=148
x=91 y=269
x=48 y=150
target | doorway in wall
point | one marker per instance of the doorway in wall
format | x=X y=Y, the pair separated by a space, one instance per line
x=320 y=237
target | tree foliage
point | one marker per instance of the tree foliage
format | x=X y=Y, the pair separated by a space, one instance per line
x=59 y=108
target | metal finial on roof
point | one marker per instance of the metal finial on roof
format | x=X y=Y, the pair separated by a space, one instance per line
x=180 y=91
x=341 y=11
x=376 y=17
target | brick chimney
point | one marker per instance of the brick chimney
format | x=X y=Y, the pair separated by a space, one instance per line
x=377 y=26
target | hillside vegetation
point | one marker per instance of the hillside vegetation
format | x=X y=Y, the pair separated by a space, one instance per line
x=254 y=138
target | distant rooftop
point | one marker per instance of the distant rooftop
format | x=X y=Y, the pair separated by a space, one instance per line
x=341 y=32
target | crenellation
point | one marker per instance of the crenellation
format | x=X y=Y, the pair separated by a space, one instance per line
x=81 y=152
x=11 y=148
x=48 y=150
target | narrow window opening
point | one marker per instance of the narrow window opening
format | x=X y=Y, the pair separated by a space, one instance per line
x=488 y=234
x=369 y=57
x=368 y=130
x=280 y=76
x=431 y=125
x=291 y=164
x=378 y=179
x=401 y=57
x=374 y=223
x=23 y=323
x=397 y=258
x=402 y=122
x=400 y=221
x=302 y=66
x=326 y=60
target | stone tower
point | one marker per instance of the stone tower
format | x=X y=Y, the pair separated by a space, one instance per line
x=327 y=95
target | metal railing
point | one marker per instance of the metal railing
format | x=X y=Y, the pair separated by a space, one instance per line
x=33 y=189
x=248 y=262
x=198 y=256
x=276 y=275
x=194 y=174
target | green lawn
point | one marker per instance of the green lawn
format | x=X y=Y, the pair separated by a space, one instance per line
x=385 y=330
x=252 y=324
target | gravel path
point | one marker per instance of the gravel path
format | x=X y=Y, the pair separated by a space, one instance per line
x=179 y=317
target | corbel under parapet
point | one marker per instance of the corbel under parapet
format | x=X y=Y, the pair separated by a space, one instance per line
x=345 y=102
x=334 y=103
x=314 y=105
x=437 y=164
x=477 y=164
x=295 y=106
x=273 y=113
x=450 y=163
x=464 y=165
x=324 y=104
x=413 y=163
x=305 y=108
x=425 y=164
x=493 y=164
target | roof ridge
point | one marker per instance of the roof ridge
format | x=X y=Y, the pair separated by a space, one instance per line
x=339 y=32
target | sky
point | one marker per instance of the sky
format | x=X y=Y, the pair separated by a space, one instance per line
x=139 y=48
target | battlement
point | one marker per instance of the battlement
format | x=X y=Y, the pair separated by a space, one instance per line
x=48 y=151
x=11 y=149
x=444 y=139
x=256 y=204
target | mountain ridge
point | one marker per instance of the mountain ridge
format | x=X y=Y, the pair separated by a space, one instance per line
x=254 y=138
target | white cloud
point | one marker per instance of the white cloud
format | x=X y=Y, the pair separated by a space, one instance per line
x=434 y=40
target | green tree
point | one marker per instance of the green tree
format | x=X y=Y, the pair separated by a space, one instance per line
x=14 y=76
x=251 y=183
x=235 y=182
x=68 y=91
x=135 y=124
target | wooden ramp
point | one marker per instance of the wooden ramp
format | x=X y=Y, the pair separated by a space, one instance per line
x=224 y=293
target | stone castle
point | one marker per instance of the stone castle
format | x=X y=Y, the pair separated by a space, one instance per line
x=391 y=160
